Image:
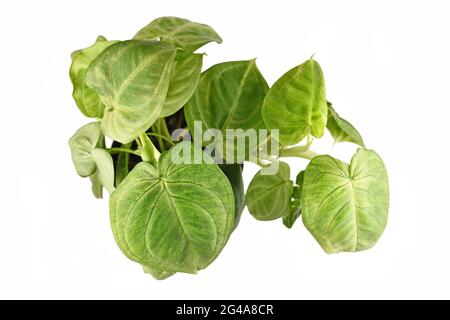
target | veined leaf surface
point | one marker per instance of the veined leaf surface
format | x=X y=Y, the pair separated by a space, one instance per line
x=179 y=32
x=341 y=129
x=296 y=104
x=345 y=207
x=132 y=79
x=183 y=81
x=172 y=217
x=87 y=99
x=269 y=196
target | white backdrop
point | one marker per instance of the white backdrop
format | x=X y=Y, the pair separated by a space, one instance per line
x=386 y=65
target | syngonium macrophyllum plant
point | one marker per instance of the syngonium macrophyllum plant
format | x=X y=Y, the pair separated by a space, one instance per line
x=173 y=203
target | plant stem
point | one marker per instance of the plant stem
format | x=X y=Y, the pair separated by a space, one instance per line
x=160 y=136
x=113 y=150
x=298 y=152
x=161 y=132
x=149 y=153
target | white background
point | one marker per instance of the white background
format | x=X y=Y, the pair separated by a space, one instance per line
x=387 y=67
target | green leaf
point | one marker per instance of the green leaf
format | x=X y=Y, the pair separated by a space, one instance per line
x=173 y=217
x=234 y=174
x=228 y=96
x=158 y=274
x=87 y=99
x=132 y=78
x=296 y=104
x=269 y=196
x=345 y=207
x=96 y=186
x=341 y=129
x=296 y=210
x=179 y=32
x=184 y=80
x=88 y=159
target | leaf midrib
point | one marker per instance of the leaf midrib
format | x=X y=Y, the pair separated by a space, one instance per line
x=238 y=96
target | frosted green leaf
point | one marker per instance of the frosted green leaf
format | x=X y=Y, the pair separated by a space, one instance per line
x=183 y=81
x=296 y=104
x=269 y=196
x=179 y=32
x=172 y=217
x=88 y=159
x=132 y=79
x=87 y=99
x=341 y=129
x=345 y=207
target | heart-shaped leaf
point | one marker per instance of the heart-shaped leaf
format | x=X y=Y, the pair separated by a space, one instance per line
x=228 y=96
x=296 y=104
x=173 y=217
x=233 y=172
x=88 y=159
x=87 y=99
x=179 y=32
x=345 y=207
x=341 y=129
x=269 y=196
x=184 y=80
x=132 y=78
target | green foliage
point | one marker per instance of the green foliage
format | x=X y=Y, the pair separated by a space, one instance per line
x=341 y=129
x=345 y=206
x=298 y=100
x=172 y=215
x=269 y=196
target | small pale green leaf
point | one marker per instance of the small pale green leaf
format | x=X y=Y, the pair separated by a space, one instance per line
x=269 y=196
x=179 y=32
x=341 y=129
x=296 y=210
x=132 y=78
x=88 y=159
x=173 y=217
x=183 y=81
x=234 y=174
x=105 y=168
x=81 y=144
x=228 y=96
x=87 y=99
x=345 y=207
x=296 y=104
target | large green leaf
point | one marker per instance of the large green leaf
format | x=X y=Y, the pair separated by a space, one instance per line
x=88 y=159
x=228 y=96
x=233 y=172
x=269 y=196
x=173 y=217
x=87 y=99
x=179 y=32
x=184 y=80
x=296 y=104
x=132 y=78
x=341 y=129
x=345 y=207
